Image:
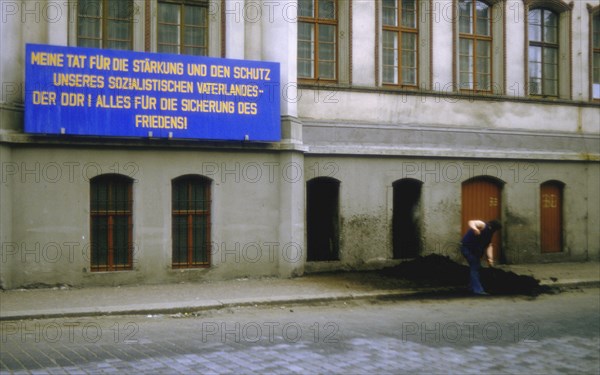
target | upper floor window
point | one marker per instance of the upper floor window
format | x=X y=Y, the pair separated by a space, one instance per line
x=400 y=42
x=105 y=24
x=317 y=39
x=543 y=52
x=596 y=56
x=475 y=45
x=111 y=223
x=183 y=27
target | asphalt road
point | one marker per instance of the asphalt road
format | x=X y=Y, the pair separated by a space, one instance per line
x=557 y=333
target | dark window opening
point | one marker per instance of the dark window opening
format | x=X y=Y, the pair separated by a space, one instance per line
x=322 y=219
x=406 y=233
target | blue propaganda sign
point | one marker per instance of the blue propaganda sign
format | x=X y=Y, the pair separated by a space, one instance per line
x=89 y=91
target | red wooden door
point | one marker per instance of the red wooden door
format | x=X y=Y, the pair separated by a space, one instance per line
x=551 y=217
x=481 y=201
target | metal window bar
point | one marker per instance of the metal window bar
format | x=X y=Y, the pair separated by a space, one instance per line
x=111 y=224
x=191 y=222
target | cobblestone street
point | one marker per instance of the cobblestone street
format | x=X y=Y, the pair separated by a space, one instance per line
x=549 y=334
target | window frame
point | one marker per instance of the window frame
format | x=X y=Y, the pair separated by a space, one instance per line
x=564 y=11
x=111 y=181
x=104 y=19
x=189 y=181
x=316 y=21
x=544 y=45
x=594 y=13
x=181 y=26
x=475 y=37
x=400 y=30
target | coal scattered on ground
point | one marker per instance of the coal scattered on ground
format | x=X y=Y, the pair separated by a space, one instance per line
x=440 y=271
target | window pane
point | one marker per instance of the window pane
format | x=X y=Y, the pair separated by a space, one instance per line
x=90 y=8
x=89 y=23
x=550 y=27
x=466 y=64
x=327 y=51
x=465 y=14
x=535 y=70
x=197 y=200
x=390 y=57
x=168 y=13
x=596 y=30
x=409 y=59
x=550 y=71
x=306 y=8
x=194 y=36
x=327 y=9
x=121 y=240
x=483 y=18
x=326 y=70
x=99 y=234
x=535 y=25
x=305 y=50
x=390 y=13
x=118 y=30
x=409 y=13
x=195 y=15
x=89 y=28
x=119 y=9
x=168 y=34
x=550 y=87
x=199 y=237
x=596 y=69
x=179 y=237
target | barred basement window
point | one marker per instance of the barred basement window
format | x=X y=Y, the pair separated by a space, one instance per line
x=400 y=42
x=111 y=222
x=183 y=27
x=191 y=221
x=317 y=39
x=105 y=24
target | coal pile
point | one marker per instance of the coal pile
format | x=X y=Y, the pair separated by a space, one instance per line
x=440 y=271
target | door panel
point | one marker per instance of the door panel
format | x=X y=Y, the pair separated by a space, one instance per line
x=481 y=200
x=551 y=218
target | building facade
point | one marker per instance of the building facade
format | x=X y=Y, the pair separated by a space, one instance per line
x=400 y=121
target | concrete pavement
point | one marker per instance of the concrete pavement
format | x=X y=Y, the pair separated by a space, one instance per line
x=194 y=296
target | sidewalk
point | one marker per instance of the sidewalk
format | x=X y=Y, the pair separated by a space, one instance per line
x=195 y=296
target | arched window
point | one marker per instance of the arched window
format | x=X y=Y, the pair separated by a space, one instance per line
x=191 y=211
x=111 y=221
